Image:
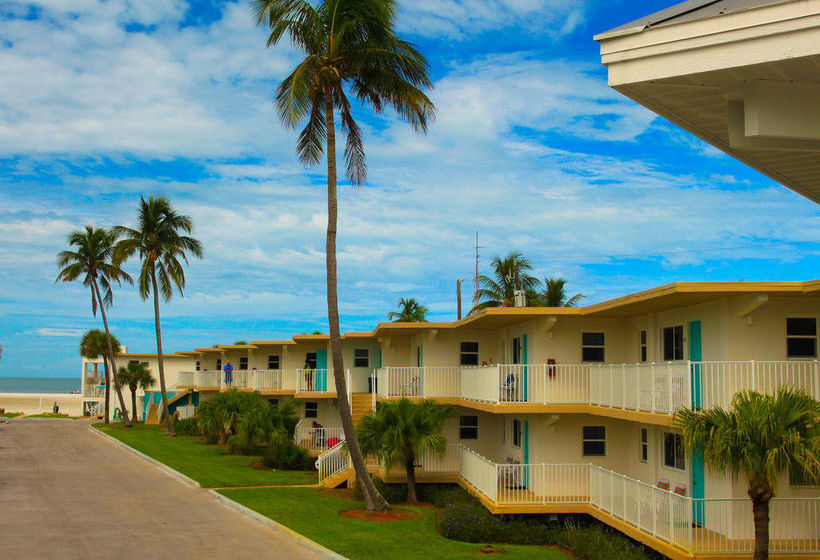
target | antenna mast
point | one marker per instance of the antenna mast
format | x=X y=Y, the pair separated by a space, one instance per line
x=475 y=278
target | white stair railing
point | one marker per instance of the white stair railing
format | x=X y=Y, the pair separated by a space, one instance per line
x=333 y=461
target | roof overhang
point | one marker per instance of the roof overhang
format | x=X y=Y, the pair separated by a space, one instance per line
x=745 y=81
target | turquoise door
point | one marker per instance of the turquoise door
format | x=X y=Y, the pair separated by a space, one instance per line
x=526 y=451
x=524 y=361
x=321 y=370
x=696 y=357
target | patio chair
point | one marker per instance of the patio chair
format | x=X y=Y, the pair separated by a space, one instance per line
x=410 y=388
x=509 y=388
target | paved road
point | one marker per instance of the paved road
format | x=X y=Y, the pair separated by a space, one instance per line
x=67 y=493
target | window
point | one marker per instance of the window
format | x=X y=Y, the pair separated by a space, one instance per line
x=643 y=346
x=273 y=361
x=311 y=409
x=468 y=427
x=516 y=432
x=516 y=350
x=197 y=365
x=218 y=365
x=273 y=402
x=801 y=337
x=418 y=355
x=594 y=441
x=592 y=347
x=469 y=353
x=310 y=359
x=361 y=357
x=243 y=363
x=644 y=456
x=673 y=454
x=673 y=343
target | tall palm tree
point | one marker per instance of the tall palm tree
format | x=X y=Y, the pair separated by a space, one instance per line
x=398 y=433
x=93 y=345
x=759 y=436
x=136 y=376
x=163 y=245
x=410 y=311
x=510 y=274
x=555 y=295
x=350 y=48
x=93 y=260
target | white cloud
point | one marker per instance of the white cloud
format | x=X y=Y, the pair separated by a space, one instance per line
x=48 y=331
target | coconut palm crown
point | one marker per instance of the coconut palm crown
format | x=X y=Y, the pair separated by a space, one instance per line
x=555 y=294
x=91 y=257
x=162 y=241
x=350 y=50
x=759 y=437
x=410 y=311
x=509 y=273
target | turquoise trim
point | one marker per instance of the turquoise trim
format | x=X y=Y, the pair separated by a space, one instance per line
x=524 y=361
x=321 y=370
x=698 y=475
x=526 y=453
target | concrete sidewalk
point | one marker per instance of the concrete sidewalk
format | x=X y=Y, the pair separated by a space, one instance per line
x=67 y=493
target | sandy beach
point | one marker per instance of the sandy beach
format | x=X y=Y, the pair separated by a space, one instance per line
x=34 y=403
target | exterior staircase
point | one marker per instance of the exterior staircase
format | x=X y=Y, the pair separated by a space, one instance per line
x=361 y=404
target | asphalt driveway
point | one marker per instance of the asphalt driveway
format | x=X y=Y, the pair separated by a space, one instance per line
x=67 y=493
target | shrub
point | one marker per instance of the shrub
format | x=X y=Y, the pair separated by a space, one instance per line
x=464 y=518
x=286 y=455
x=187 y=427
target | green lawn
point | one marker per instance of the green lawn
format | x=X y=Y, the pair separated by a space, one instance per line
x=10 y=414
x=207 y=464
x=315 y=515
x=50 y=415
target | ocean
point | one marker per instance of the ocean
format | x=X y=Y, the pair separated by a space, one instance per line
x=39 y=384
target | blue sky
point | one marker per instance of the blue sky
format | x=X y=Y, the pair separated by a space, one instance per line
x=101 y=102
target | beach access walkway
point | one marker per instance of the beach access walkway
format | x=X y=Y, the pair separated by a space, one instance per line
x=68 y=493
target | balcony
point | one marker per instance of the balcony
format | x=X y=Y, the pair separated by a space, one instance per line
x=678 y=526
x=659 y=388
x=317 y=439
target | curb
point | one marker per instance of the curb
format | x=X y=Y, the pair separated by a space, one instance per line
x=161 y=466
x=277 y=527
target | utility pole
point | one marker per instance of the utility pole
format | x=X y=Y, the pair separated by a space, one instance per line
x=458 y=297
x=475 y=278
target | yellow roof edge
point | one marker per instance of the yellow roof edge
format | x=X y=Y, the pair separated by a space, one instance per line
x=271 y=342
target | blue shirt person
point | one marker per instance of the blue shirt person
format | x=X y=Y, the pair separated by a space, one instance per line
x=228 y=374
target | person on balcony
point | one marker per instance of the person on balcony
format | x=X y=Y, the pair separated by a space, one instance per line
x=228 y=374
x=308 y=376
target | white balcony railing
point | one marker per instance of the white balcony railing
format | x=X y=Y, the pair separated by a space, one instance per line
x=185 y=379
x=314 y=381
x=648 y=387
x=238 y=379
x=267 y=380
x=317 y=439
x=428 y=382
x=208 y=379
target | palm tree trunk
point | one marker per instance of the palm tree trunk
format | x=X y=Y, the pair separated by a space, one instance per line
x=124 y=411
x=372 y=498
x=134 y=403
x=410 y=466
x=169 y=428
x=107 y=389
x=761 y=493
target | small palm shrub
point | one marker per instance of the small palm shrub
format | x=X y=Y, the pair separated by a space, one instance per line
x=283 y=454
x=187 y=427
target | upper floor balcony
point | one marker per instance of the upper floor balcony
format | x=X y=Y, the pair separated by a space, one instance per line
x=658 y=388
x=306 y=382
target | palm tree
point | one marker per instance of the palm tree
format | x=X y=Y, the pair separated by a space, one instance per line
x=555 y=295
x=136 y=376
x=350 y=47
x=398 y=432
x=93 y=345
x=410 y=311
x=510 y=275
x=161 y=243
x=93 y=260
x=759 y=436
